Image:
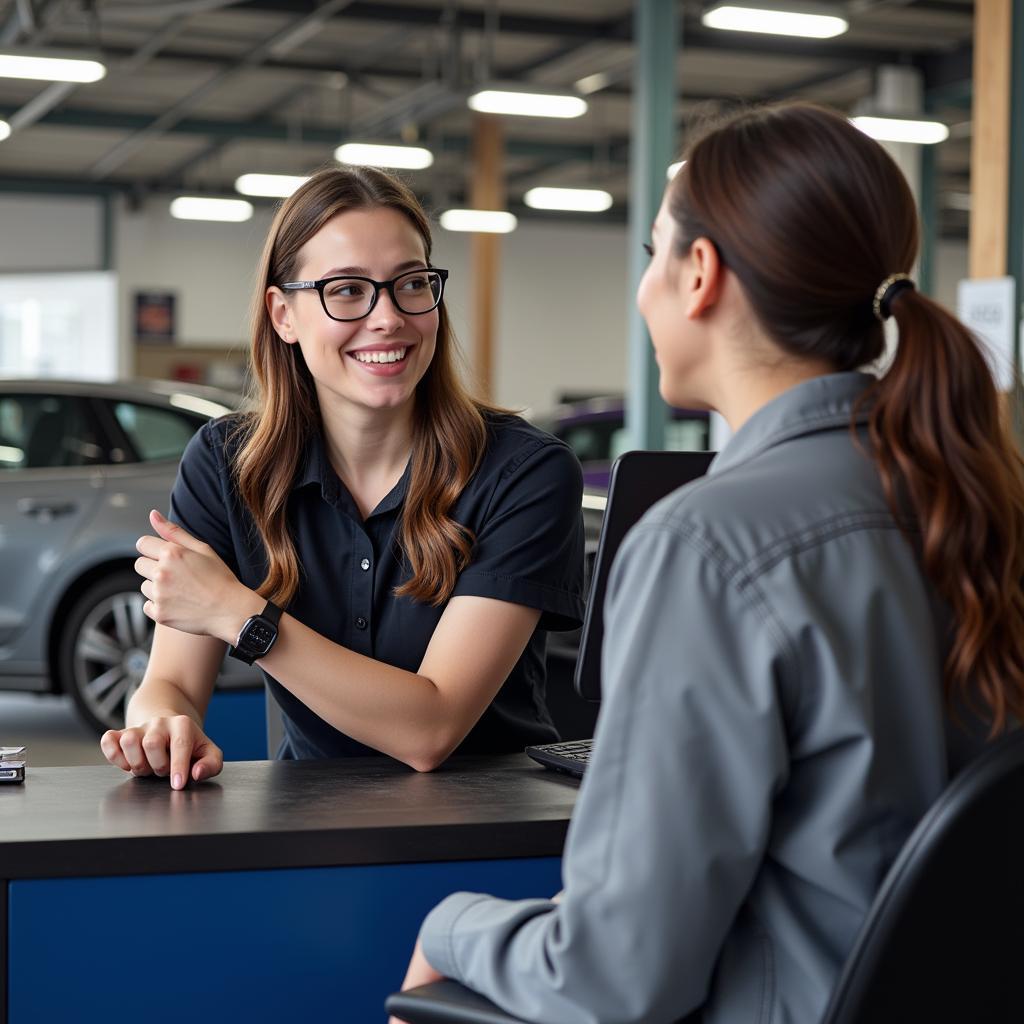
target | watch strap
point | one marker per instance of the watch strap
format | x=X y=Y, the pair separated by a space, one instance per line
x=271 y=614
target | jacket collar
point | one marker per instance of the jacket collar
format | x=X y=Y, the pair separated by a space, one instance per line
x=822 y=403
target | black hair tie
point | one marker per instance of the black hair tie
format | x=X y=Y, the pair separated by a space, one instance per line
x=887 y=291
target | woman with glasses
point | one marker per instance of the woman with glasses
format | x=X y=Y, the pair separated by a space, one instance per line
x=792 y=642
x=389 y=550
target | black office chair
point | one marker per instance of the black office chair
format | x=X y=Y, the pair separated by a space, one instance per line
x=943 y=938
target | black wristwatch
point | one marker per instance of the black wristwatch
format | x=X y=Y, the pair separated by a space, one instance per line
x=257 y=636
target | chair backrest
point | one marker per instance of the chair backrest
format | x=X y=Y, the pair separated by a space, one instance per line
x=945 y=934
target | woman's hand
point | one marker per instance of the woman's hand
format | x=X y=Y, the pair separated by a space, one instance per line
x=188 y=587
x=173 y=745
x=419 y=973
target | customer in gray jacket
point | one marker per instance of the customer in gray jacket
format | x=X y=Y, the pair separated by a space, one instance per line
x=784 y=638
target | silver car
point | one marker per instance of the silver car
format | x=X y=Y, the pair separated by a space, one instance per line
x=81 y=465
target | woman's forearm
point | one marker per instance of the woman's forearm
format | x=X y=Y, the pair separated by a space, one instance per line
x=397 y=712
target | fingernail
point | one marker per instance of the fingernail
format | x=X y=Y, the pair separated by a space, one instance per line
x=176 y=781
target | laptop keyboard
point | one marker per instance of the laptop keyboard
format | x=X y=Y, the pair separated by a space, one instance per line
x=570 y=757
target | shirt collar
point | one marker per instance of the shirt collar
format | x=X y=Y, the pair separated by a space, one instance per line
x=317 y=469
x=822 y=403
x=312 y=469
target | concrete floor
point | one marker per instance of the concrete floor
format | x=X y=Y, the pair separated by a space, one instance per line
x=50 y=728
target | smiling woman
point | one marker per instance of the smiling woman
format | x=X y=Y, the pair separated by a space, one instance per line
x=360 y=531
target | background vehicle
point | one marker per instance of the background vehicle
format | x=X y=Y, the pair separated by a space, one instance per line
x=595 y=430
x=81 y=464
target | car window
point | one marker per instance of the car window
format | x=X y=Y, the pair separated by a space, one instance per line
x=39 y=431
x=156 y=433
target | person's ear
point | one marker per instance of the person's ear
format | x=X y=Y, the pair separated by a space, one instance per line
x=702 y=278
x=280 y=312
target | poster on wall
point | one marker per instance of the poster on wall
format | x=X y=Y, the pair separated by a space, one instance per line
x=154 y=317
x=986 y=306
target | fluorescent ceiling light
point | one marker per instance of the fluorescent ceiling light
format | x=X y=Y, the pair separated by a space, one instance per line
x=896 y=129
x=364 y=154
x=527 y=104
x=277 y=186
x=673 y=169
x=594 y=83
x=587 y=200
x=490 y=221
x=50 y=69
x=777 y=23
x=205 y=208
x=5 y=130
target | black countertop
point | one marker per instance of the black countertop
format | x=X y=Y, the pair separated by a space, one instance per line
x=272 y=814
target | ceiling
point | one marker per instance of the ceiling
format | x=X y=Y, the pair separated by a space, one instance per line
x=200 y=91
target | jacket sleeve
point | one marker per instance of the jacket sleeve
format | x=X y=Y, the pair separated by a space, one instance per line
x=674 y=812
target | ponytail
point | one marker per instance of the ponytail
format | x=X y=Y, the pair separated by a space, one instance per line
x=943 y=448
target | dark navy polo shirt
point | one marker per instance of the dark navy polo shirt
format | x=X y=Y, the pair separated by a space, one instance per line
x=523 y=508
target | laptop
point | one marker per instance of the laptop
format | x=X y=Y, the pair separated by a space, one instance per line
x=638 y=480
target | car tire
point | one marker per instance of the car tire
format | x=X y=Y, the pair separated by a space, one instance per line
x=103 y=649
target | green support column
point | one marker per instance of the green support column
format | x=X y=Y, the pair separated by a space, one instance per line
x=929 y=213
x=107 y=213
x=652 y=150
x=1015 y=233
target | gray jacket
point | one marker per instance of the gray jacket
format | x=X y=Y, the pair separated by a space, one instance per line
x=772 y=730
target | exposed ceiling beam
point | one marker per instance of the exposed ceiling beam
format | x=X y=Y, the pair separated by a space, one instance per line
x=275 y=131
x=281 y=41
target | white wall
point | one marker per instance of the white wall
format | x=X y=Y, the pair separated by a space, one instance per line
x=49 y=233
x=562 y=304
x=562 y=309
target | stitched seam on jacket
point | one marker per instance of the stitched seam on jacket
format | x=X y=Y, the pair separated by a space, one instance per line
x=731 y=572
x=828 y=529
x=733 y=575
x=766 y=1011
x=807 y=424
x=451 y=928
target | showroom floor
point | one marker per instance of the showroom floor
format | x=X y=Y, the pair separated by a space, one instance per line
x=49 y=727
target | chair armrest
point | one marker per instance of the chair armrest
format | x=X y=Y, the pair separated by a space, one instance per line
x=445 y=1002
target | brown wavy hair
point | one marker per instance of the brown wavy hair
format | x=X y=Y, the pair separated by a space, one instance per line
x=449 y=431
x=811 y=215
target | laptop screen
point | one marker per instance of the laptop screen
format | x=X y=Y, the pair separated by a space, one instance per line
x=638 y=480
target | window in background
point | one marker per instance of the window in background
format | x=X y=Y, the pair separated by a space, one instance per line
x=59 y=325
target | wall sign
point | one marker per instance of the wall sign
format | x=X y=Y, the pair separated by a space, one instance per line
x=988 y=307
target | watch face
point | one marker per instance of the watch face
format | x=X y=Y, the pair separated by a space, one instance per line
x=258 y=637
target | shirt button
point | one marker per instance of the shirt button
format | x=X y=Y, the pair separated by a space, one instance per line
x=360 y=623
x=364 y=564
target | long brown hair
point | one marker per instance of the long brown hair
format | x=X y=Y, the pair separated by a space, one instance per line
x=449 y=432
x=811 y=215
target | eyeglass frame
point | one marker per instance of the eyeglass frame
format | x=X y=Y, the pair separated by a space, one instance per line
x=389 y=286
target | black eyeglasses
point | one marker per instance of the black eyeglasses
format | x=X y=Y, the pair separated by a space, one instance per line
x=352 y=298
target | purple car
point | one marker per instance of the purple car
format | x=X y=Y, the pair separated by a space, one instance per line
x=595 y=431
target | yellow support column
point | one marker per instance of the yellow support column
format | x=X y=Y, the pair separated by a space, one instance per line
x=487 y=193
x=990 y=140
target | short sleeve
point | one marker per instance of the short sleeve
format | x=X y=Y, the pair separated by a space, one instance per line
x=199 y=501
x=529 y=549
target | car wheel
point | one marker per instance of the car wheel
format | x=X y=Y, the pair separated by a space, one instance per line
x=103 y=649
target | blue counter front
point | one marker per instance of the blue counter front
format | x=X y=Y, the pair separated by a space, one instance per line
x=280 y=891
